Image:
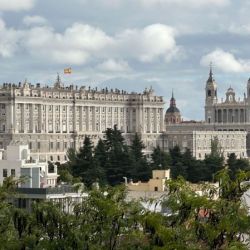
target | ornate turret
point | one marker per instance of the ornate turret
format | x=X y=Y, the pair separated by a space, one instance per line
x=211 y=88
x=58 y=83
x=173 y=114
x=230 y=95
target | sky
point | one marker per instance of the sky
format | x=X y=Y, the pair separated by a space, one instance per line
x=130 y=45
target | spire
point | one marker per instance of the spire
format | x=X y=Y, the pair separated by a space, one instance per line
x=172 y=100
x=58 y=82
x=210 y=78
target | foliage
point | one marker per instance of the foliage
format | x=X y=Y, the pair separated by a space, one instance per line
x=106 y=220
x=160 y=159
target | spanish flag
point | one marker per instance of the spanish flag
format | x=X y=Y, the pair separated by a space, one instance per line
x=67 y=71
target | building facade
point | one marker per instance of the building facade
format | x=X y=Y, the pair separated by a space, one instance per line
x=52 y=119
x=229 y=110
x=15 y=161
x=228 y=120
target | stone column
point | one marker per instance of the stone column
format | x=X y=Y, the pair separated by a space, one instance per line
x=31 y=117
x=40 y=118
x=74 y=116
x=118 y=118
x=161 y=120
x=67 y=118
x=87 y=118
x=149 y=120
x=155 y=120
x=46 y=118
x=60 y=118
x=80 y=119
x=22 y=116
x=53 y=118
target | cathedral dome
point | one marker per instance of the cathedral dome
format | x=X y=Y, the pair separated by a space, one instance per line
x=173 y=109
x=230 y=90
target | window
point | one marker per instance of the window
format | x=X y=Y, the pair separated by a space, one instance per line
x=51 y=158
x=58 y=145
x=38 y=145
x=51 y=145
x=5 y=172
x=65 y=145
x=13 y=172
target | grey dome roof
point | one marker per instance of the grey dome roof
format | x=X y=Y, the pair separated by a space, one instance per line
x=173 y=109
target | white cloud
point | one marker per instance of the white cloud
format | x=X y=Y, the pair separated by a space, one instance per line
x=114 y=65
x=74 y=46
x=225 y=61
x=81 y=43
x=34 y=20
x=187 y=3
x=148 y=44
x=16 y=5
x=9 y=39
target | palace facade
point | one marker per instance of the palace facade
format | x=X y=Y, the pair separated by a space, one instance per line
x=52 y=119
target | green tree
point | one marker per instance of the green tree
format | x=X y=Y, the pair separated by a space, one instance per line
x=178 y=167
x=140 y=167
x=202 y=222
x=160 y=159
x=234 y=164
x=119 y=162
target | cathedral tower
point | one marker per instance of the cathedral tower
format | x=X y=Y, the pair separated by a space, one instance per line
x=248 y=89
x=211 y=98
x=173 y=114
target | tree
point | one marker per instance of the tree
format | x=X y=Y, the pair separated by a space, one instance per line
x=234 y=165
x=178 y=166
x=119 y=163
x=140 y=167
x=202 y=222
x=160 y=159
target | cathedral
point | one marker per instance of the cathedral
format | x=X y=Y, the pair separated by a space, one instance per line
x=228 y=120
x=229 y=110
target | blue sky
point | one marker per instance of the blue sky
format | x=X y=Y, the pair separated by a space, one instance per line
x=129 y=44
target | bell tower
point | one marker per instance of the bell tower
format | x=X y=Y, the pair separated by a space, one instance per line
x=211 y=89
x=211 y=97
x=248 y=89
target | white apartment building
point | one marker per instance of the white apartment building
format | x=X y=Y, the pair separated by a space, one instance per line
x=52 y=119
x=15 y=161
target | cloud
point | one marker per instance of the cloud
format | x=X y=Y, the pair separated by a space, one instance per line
x=34 y=20
x=81 y=42
x=225 y=61
x=239 y=29
x=9 y=39
x=16 y=5
x=150 y=43
x=74 y=46
x=114 y=65
x=187 y=3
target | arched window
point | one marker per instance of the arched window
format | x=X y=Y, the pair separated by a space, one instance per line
x=209 y=92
